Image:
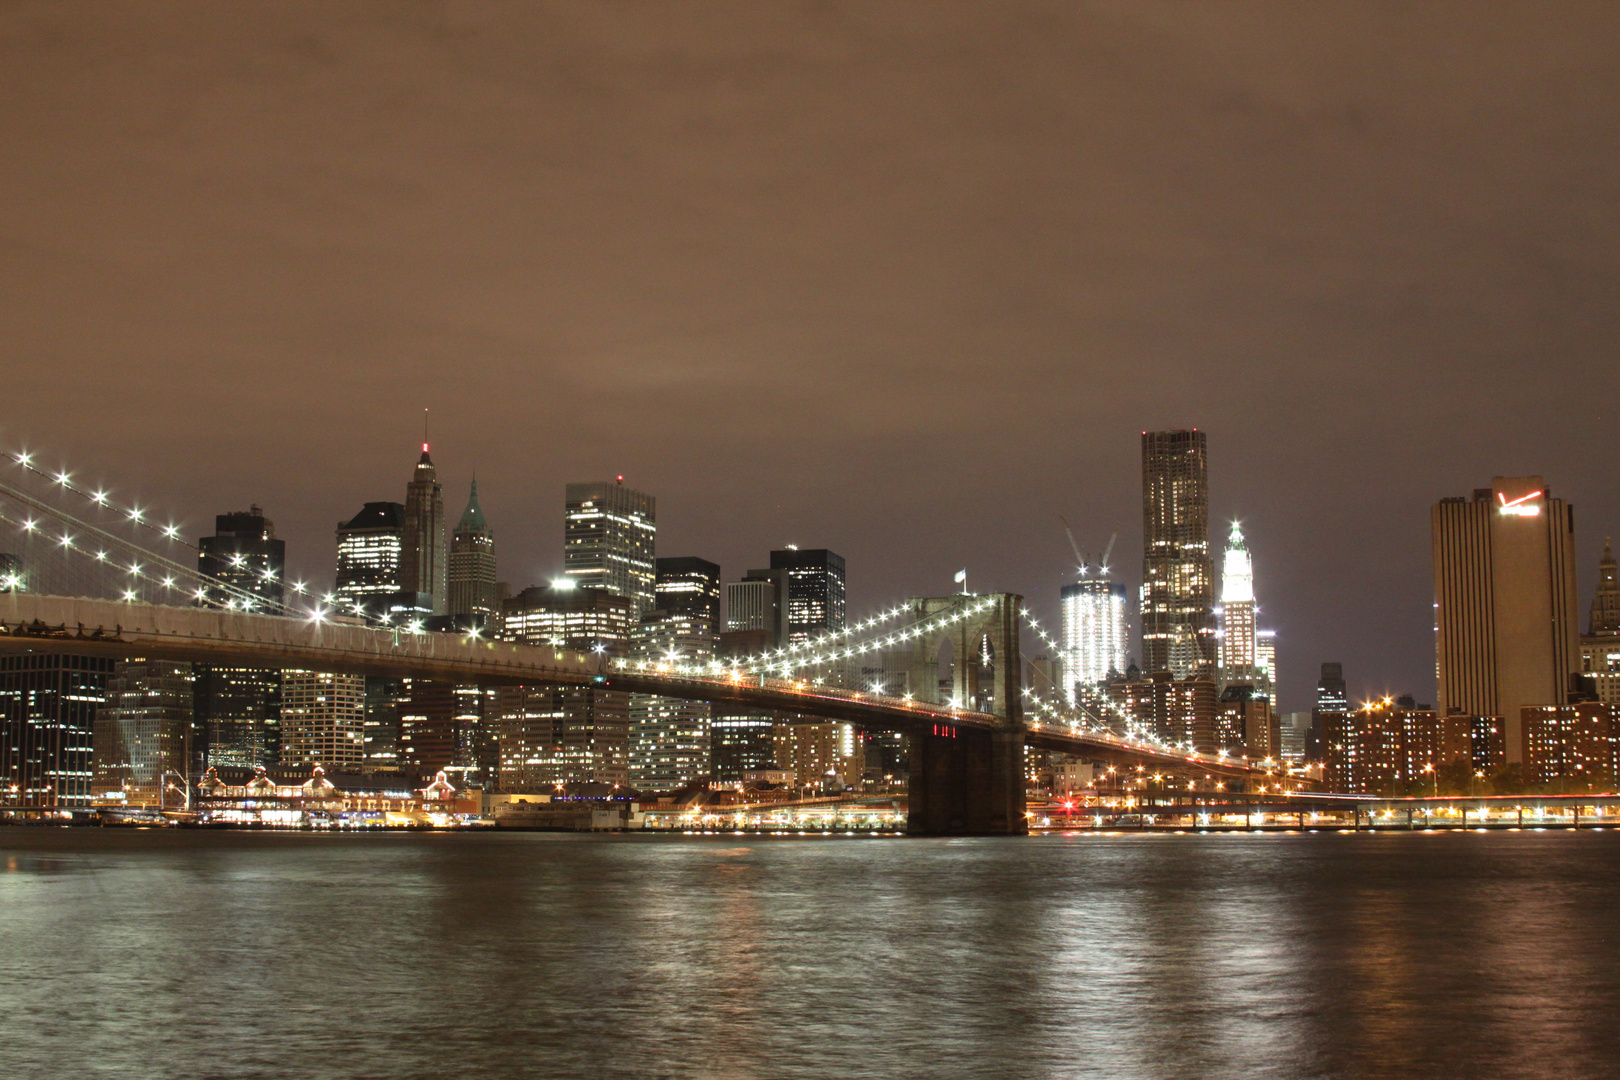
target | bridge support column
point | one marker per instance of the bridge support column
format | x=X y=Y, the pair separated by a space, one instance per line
x=966 y=783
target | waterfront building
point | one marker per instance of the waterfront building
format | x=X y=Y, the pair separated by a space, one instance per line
x=1504 y=584
x=143 y=733
x=1571 y=746
x=1390 y=747
x=237 y=711
x=423 y=563
x=1094 y=633
x=1178 y=575
x=48 y=705
x=824 y=756
x=323 y=717
x=1600 y=645
x=474 y=590
x=610 y=540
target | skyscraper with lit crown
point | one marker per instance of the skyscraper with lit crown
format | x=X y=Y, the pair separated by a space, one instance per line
x=1239 y=640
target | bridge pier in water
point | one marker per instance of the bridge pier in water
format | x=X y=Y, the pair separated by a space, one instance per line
x=969 y=781
x=966 y=783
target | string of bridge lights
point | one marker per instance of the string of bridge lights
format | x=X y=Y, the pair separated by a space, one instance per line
x=132 y=514
x=786 y=660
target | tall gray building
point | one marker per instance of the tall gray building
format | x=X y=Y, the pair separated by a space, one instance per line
x=1178 y=574
x=423 y=565
x=474 y=593
x=1600 y=645
x=610 y=540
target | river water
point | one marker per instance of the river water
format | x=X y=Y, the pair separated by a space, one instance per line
x=234 y=954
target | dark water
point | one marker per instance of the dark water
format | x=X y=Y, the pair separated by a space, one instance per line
x=147 y=954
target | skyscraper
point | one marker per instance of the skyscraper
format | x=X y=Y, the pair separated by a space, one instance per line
x=1094 y=632
x=669 y=737
x=423 y=566
x=610 y=540
x=815 y=591
x=1238 y=642
x=472 y=582
x=142 y=732
x=552 y=733
x=323 y=719
x=48 y=709
x=244 y=556
x=1504 y=599
x=759 y=602
x=1178 y=575
x=371 y=566
x=236 y=712
x=1600 y=645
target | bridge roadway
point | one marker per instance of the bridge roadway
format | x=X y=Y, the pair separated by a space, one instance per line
x=94 y=627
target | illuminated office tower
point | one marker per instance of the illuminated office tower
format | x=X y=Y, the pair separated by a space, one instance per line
x=1265 y=662
x=1504 y=602
x=815 y=591
x=759 y=604
x=423 y=566
x=370 y=562
x=48 y=709
x=237 y=711
x=669 y=737
x=142 y=734
x=1094 y=632
x=1178 y=575
x=1600 y=645
x=551 y=733
x=474 y=594
x=610 y=540
x=323 y=719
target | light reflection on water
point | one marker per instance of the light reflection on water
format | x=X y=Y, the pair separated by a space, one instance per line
x=264 y=955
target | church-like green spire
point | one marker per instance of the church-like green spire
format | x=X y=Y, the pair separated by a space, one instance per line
x=472 y=518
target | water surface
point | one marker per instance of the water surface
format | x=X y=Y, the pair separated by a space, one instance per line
x=234 y=954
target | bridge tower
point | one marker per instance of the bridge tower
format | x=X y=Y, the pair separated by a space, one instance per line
x=967 y=782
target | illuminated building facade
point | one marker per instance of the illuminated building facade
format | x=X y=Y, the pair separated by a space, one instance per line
x=237 y=711
x=610 y=537
x=1572 y=746
x=759 y=602
x=1178 y=575
x=669 y=737
x=740 y=741
x=554 y=734
x=1392 y=748
x=1094 y=632
x=323 y=719
x=1600 y=645
x=1504 y=592
x=829 y=756
x=11 y=572
x=474 y=590
x=1180 y=711
x=423 y=564
x=429 y=734
x=142 y=734
x=48 y=706
x=370 y=561
x=1246 y=724
x=815 y=592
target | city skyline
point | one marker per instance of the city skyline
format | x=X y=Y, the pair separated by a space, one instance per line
x=1342 y=253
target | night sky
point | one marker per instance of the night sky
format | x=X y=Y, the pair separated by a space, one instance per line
x=903 y=280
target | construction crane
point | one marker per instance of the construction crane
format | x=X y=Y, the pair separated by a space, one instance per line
x=1080 y=556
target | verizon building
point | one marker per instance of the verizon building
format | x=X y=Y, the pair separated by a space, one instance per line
x=1504 y=602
